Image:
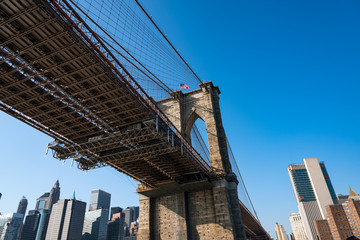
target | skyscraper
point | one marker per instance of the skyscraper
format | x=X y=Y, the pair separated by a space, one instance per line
x=30 y=226
x=131 y=215
x=280 y=232
x=297 y=226
x=116 y=227
x=99 y=199
x=35 y=225
x=66 y=220
x=313 y=192
x=54 y=196
x=47 y=200
x=43 y=224
x=37 y=220
x=10 y=225
x=22 y=210
x=22 y=206
x=115 y=210
x=95 y=223
x=41 y=201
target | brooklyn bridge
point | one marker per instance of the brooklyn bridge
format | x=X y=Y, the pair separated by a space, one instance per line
x=102 y=79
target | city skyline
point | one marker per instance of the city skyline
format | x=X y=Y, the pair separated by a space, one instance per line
x=67 y=217
x=316 y=119
x=39 y=203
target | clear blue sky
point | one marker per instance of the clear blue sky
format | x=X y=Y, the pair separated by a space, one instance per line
x=289 y=76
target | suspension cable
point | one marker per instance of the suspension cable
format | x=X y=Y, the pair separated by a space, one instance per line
x=156 y=26
x=162 y=85
x=242 y=181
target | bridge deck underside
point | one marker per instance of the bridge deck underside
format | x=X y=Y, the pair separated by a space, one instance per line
x=51 y=78
x=60 y=83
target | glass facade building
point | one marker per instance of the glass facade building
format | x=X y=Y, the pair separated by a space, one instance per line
x=30 y=226
x=313 y=191
x=99 y=199
x=95 y=225
x=304 y=190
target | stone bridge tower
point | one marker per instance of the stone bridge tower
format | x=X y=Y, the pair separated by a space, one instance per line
x=209 y=210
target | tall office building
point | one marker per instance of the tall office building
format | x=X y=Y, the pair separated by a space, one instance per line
x=297 y=226
x=37 y=220
x=116 y=227
x=41 y=201
x=10 y=225
x=99 y=199
x=35 y=225
x=115 y=210
x=66 y=220
x=280 y=232
x=47 y=200
x=22 y=210
x=313 y=192
x=22 y=206
x=95 y=223
x=30 y=226
x=43 y=224
x=131 y=215
x=54 y=196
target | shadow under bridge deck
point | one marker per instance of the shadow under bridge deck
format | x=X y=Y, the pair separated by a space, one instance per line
x=57 y=76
